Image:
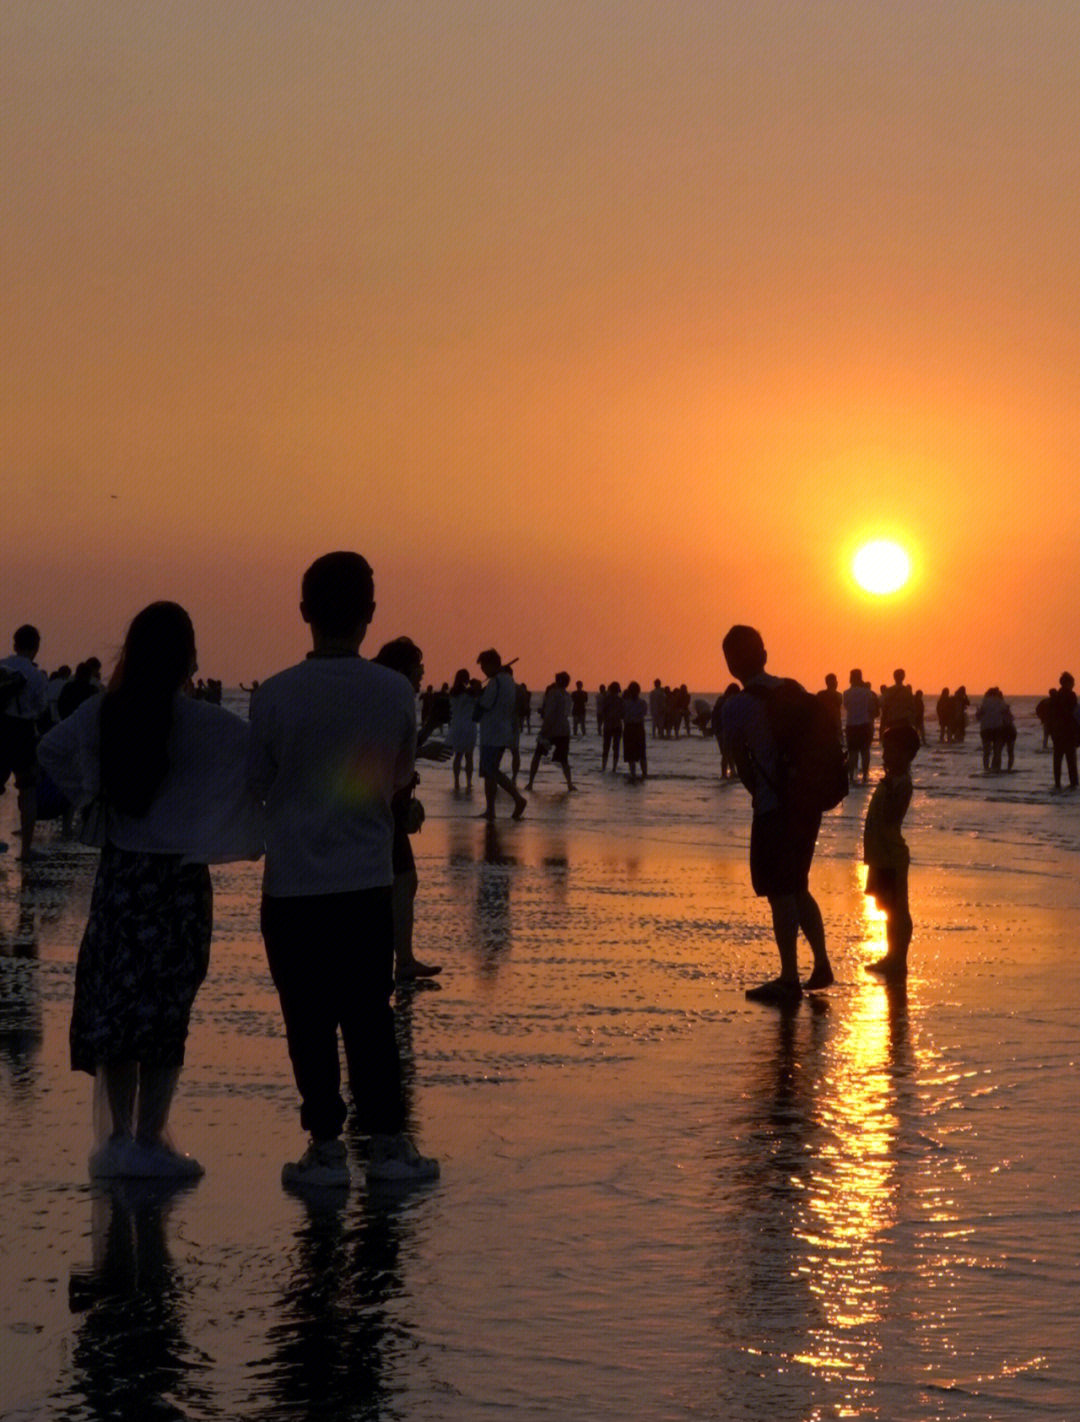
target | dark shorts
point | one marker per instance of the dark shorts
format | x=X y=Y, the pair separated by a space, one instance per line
x=781 y=851
x=490 y=759
x=560 y=750
x=859 y=738
x=18 y=749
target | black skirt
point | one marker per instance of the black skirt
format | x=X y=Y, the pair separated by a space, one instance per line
x=144 y=953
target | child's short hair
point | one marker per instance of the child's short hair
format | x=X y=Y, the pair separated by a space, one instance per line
x=338 y=593
x=401 y=655
x=904 y=738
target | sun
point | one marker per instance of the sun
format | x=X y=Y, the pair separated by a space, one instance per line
x=881 y=567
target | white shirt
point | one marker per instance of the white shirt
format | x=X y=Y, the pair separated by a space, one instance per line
x=498 y=700
x=332 y=738
x=859 y=705
x=203 y=809
x=31 y=700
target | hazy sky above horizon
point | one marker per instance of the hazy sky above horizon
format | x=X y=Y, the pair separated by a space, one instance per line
x=596 y=327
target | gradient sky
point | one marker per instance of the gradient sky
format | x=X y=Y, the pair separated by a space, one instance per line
x=596 y=327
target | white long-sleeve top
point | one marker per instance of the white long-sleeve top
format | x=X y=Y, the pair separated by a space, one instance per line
x=332 y=739
x=203 y=809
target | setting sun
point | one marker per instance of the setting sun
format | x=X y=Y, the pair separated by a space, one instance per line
x=881 y=567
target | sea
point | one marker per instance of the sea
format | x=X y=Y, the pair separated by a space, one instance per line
x=658 y=1200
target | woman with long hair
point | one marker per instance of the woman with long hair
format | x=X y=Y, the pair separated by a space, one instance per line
x=162 y=777
x=463 y=696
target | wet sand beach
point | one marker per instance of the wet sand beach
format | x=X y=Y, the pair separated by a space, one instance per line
x=657 y=1199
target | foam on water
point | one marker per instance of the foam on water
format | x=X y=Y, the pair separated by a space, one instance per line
x=658 y=1200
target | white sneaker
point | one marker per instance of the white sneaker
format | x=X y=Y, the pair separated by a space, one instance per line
x=159 y=1162
x=395 y=1158
x=324 y=1163
x=109 y=1160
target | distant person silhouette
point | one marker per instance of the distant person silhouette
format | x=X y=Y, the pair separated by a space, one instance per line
x=633 y=744
x=897 y=703
x=920 y=717
x=960 y=704
x=885 y=850
x=579 y=703
x=554 y=729
x=496 y=711
x=613 y=723
x=463 y=696
x=22 y=711
x=860 y=708
x=1010 y=738
x=783 y=834
x=1042 y=711
x=944 y=712
x=992 y=714
x=1064 y=729
x=82 y=686
x=833 y=698
x=727 y=769
x=657 y=708
x=523 y=706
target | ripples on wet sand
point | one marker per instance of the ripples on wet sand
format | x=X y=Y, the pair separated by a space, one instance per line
x=658 y=1200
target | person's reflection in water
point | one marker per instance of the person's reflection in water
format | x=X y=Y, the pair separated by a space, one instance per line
x=20 y=993
x=131 y=1361
x=765 y=1306
x=335 y=1337
x=493 y=899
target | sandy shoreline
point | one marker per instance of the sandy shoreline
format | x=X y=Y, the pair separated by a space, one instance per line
x=657 y=1199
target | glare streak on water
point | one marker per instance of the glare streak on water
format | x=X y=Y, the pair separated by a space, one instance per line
x=658 y=1200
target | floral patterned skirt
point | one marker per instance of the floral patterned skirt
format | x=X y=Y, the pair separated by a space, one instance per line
x=144 y=953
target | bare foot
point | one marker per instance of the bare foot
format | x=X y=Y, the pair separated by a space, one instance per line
x=778 y=990
x=821 y=977
x=888 y=967
x=416 y=969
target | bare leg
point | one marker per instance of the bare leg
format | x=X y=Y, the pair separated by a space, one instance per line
x=491 y=785
x=157 y=1086
x=121 y=1082
x=508 y=785
x=406 y=964
x=27 y=818
x=812 y=925
x=785 y=988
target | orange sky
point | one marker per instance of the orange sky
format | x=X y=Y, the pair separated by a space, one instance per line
x=596 y=327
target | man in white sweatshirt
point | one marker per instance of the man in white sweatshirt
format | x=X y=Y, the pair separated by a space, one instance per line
x=332 y=739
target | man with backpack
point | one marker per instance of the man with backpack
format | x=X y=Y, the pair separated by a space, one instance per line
x=783 y=746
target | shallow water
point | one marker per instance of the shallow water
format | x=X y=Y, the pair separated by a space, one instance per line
x=658 y=1200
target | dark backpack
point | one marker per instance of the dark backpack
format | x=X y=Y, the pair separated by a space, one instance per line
x=11 y=683
x=813 y=767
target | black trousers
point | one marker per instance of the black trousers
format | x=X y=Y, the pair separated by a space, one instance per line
x=332 y=960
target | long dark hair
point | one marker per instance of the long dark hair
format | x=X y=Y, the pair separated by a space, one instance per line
x=137 y=709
